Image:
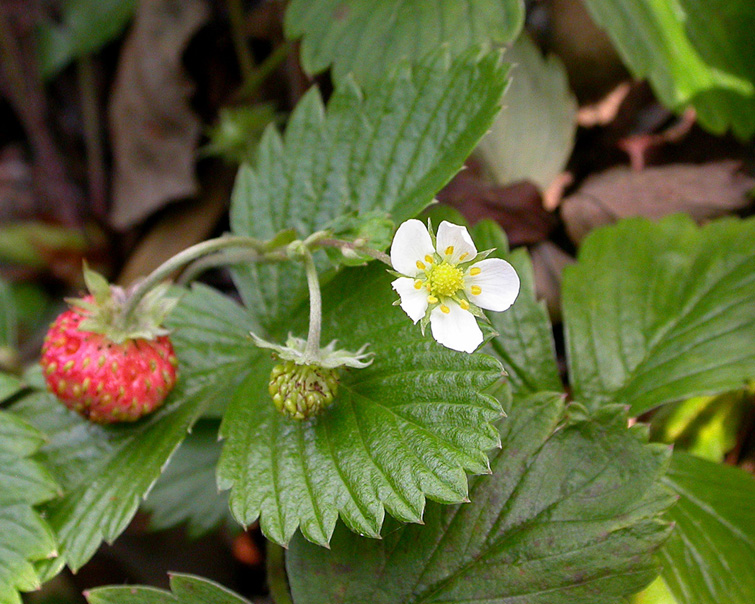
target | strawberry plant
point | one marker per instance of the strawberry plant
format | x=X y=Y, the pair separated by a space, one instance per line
x=370 y=384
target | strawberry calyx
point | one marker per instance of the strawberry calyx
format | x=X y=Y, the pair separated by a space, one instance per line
x=105 y=310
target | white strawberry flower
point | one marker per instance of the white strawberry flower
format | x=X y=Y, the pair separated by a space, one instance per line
x=445 y=281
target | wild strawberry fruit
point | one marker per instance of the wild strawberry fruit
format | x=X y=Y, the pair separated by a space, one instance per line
x=302 y=391
x=105 y=368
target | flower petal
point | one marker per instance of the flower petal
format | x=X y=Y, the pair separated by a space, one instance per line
x=413 y=300
x=456 y=329
x=497 y=281
x=455 y=239
x=411 y=244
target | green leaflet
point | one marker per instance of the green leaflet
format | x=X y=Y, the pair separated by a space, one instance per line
x=368 y=39
x=670 y=320
x=389 y=148
x=24 y=536
x=105 y=471
x=525 y=341
x=711 y=553
x=186 y=590
x=558 y=521
x=403 y=429
x=86 y=26
x=694 y=52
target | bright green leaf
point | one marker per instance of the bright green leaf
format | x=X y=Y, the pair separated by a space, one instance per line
x=711 y=553
x=525 y=341
x=559 y=521
x=532 y=138
x=186 y=590
x=86 y=26
x=105 y=471
x=403 y=429
x=390 y=148
x=24 y=536
x=369 y=38
x=694 y=52
x=187 y=491
x=658 y=312
x=10 y=385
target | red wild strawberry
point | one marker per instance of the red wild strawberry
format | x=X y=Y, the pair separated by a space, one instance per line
x=104 y=370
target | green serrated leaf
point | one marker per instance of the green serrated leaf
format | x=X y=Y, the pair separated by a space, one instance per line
x=24 y=536
x=10 y=385
x=388 y=148
x=525 y=339
x=532 y=138
x=187 y=589
x=187 y=491
x=368 y=39
x=693 y=53
x=105 y=471
x=569 y=515
x=670 y=320
x=711 y=553
x=403 y=429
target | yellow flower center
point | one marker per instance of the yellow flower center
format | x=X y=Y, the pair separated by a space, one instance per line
x=444 y=279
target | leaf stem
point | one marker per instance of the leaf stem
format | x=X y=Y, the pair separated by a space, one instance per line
x=376 y=254
x=276 y=574
x=188 y=255
x=238 y=34
x=263 y=71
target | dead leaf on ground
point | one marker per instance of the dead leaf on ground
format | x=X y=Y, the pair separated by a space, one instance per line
x=155 y=132
x=518 y=208
x=703 y=191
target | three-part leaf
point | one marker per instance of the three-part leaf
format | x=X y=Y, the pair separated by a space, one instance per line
x=558 y=521
x=658 y=312
x=404 y=428
x=389 y=149
x=711 y=553
x=368 y=38
x=25 y=537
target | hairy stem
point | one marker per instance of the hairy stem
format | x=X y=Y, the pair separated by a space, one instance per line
x=376 y=254
x=263 y=71
x=276 y=574
x=315 y=305
x=190 y=254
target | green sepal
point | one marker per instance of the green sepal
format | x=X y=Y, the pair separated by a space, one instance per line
x=479 y=257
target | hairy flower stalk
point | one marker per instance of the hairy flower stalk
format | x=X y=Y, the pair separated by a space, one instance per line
x=305 y=380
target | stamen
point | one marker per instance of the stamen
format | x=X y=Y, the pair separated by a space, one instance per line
x=449 y=250
x=475 y=270
x=418 y=284
x=464 y=305
x=476 y=290
x=444 y=309
x=464 y=255
x=432 y=300
x=429 y=259
x=420 y=265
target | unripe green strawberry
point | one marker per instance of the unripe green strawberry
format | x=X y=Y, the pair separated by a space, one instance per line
x=102 y=380
x=302 y=391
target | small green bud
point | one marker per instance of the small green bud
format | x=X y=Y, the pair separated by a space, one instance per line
x=302 y=391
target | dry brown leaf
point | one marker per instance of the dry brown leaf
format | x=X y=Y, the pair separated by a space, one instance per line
x=703 y=191
x=155 y=132
x=518 y=207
